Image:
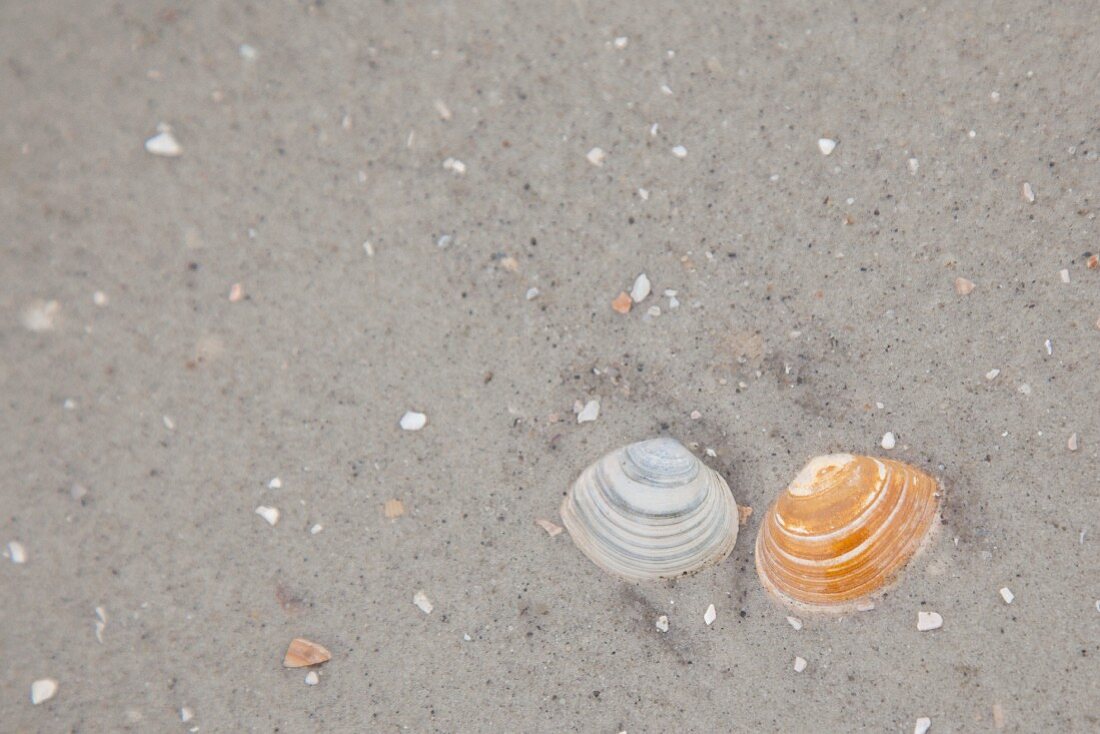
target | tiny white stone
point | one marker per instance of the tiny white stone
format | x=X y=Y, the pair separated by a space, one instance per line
x=673 y=303
x=169 y=423
x=662 y=623
x=640 y=289
x=653 y=129
x=590 y=412
x=443 y=110
x=316 y=529
x=1025 y=389
x=826 y=145
x=973 y=134
x=17 y=552
x=69 y=404
x=621 y=42
x=312 y=678
x=1007 y=595
x=532 y=294
x=1049 y=346
x=711 y=453
x=368 y=248
x=653 y=312
x=1098 y=605
x=275 y=483
x=422 y=602
x=992 y=374
x=99 y=298
x=680 y=151
x=444 y=241
x=914 y=164
x=596 y=156
x=466 y=637
x=1071 y=444
x=247 y=52
x=453 y=164
x=994 y=96
x=665 y=89
x=879 y=405
x=929 y=621
x=695 y=415
x=1064 y=275
x=413 y=421
x=270 y=514
x=186 y=714
x=794 y=622
x=889 y=441
x=710 y=615
x=1028 y=193
x=164 y=144
x=43 y=690
x=922 y=726
x=39 y=316
x=643 y=194
x=799 y=664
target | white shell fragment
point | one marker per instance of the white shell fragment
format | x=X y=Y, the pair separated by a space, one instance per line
x=889 y=441
x=794 y=622
x=922 y=726
x=422 y=602
x=640 y=289
x=651 y=510
x=680 y=151
x=43 y=690
x=710 y=615
x=312 y=678
x=1027 y=192
x=590 y=412
x=1007 y=595
x=596 y=156
x=164 y=144
x=929 y=621
x=17 y=552
x=799 y=664
x=269 y=514
x=662 y=623
x=413 y=421
x=826 y=145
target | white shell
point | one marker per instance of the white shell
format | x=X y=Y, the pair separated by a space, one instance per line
x=651 y=510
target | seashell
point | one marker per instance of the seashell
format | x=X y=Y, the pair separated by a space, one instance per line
x=651 y=510
x=843 y=529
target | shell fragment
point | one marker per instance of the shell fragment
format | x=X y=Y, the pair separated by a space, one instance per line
x=927 y=621
x=302 y=653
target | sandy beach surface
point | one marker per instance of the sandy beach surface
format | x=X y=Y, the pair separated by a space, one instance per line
x=350 y=210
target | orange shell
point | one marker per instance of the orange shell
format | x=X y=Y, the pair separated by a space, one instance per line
x=843 y=529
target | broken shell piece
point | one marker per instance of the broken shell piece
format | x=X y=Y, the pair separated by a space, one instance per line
x=43 y=690
x=622 y=303
x=799 y=664
x=963 y=286
x=651 y=510
x=393 y=509
x=710 y=615
x=302 y=652
x=927 y=621
x=843 y=529
x=662 y=623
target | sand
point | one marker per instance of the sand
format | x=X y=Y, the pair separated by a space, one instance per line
x=812 y=290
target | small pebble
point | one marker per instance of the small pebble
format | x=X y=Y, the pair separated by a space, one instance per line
x=590 y=412
x=236 y=293
x=622 y=303
x=444 y=241
x=695 y=415
x=992 y=374
x=186 y=714
x=275 y=483
x=963 y=286
x=316 y=529
x=643 y=194
x=710 y=615
x=247 y=52
x=532 y=294
x=99 y=298
x=1064 y=275
x=443 y=110
x=914 y=164
x=455 y=165
x=1028 y=193
x=413 y=421
x=17 y=552
x=826 y=145
x=889 y=441
x=799 y=664
x=621 y=42
x=40 y=316
x=922 y=726
x=794 y=622
x=169 y=423
x=422 y=602
x=1007 y=595
x=662 y=623
x=1071 y=444
x=269 y=514
x=368 y=248
x=680 y=151
x=43 y=690
x=312 y=678
x=640 y=289
x=164 y=144
x=596 y=156
x=929 y=621
x=393 y=509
